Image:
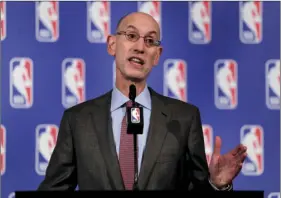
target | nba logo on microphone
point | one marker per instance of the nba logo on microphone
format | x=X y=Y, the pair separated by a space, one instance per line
x=3 y=20
x=73 y=81
x=3 y=149
x=152 y=8
x=21 y=82
x=252 y=136
x=251 y=22
x=208 y=140
x=135 y=115
x=272 y=68
x=47 y=21
x=226 y=90
x=98 y=21
x=46 y=139
x=175 y=79
x=200 y=22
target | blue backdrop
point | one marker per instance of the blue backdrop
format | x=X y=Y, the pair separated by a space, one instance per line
x=220 y=56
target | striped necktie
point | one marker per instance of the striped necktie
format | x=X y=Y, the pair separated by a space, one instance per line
x=126 y=154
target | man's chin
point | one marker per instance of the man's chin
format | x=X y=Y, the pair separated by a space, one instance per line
x=135 y=78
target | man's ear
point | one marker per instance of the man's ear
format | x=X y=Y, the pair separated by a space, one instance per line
x=157 y=56
x=111 y=45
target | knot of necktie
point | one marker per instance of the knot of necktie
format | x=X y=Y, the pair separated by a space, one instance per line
x=129 y=103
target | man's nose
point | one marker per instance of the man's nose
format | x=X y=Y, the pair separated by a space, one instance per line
x=139 y=46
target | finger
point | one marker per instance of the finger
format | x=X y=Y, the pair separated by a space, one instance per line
x=242 y=152
x=243 y=157
x=217 y=147
x=240 y=158
x=238 y=149
x=242 y=149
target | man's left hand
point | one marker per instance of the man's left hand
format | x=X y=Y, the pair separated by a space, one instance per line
x=224 y=168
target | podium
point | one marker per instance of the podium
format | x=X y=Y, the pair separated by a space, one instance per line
x=91 y=194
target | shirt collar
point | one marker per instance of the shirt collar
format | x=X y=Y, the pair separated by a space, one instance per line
x=118 y=99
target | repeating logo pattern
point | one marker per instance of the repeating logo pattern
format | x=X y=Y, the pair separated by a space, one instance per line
x=3 y=149
x=226 y=84
x=252 y=136
x=21 y=82
x=46 y=138
x=272 y=89
x=175 y=79
x=3 y=20
x=73 y=81
x=47 y=21
x=152 y=8
x=200 y=22
x=98 y=21
x=23 y=72
x=251 y=22
x=208 y=140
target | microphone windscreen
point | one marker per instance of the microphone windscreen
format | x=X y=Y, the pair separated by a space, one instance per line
x=132 y=92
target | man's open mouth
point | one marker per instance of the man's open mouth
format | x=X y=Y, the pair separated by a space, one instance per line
x=136 y=60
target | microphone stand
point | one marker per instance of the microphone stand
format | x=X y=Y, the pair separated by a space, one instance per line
x=136 y=175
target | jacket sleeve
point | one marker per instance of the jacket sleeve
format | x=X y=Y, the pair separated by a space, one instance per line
x=196 y=153
x=199 y=171
x=61 y=170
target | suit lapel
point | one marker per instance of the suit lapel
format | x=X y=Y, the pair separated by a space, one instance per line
x=156 y=135
x=102 y=123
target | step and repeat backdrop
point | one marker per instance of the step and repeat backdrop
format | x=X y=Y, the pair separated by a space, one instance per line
x=220 y=56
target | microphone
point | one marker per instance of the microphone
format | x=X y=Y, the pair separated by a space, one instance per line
x=134 y=114
x=135 y=127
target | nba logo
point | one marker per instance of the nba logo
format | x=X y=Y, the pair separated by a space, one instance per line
x=135 y=115
x=46 y=138
x=175 y=80
x=208 y=140
x=21 y=82
x=274 y=195
x=73 y=81
x=3 y=149
x=200 y=22
x=272 y=85
x=152 y=8
x=226 y=84
x=250 y=25
x=252 y=137
x=98 y=21
x=3 y=20
x=47 y=21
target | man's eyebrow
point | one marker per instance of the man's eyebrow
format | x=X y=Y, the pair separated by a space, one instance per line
x=133 y=27
x=152 y=32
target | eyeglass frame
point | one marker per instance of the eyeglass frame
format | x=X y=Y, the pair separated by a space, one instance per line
x=125 y=33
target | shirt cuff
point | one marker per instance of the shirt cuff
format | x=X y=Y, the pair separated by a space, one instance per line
x=226 y=188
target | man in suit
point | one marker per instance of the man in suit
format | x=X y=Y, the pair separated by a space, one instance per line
x=94 y=152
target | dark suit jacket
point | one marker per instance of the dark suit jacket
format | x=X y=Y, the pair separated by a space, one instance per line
x=85 y=154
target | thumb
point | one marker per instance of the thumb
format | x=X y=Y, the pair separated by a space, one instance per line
x=217 y=147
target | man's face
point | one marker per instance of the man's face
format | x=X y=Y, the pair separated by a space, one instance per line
x=135 y=58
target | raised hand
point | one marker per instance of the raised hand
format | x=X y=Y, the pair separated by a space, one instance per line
x=224 y=168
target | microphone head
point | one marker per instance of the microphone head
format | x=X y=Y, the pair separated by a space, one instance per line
x=132 y=92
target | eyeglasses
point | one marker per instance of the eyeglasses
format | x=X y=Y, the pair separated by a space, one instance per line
x=134 y=36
